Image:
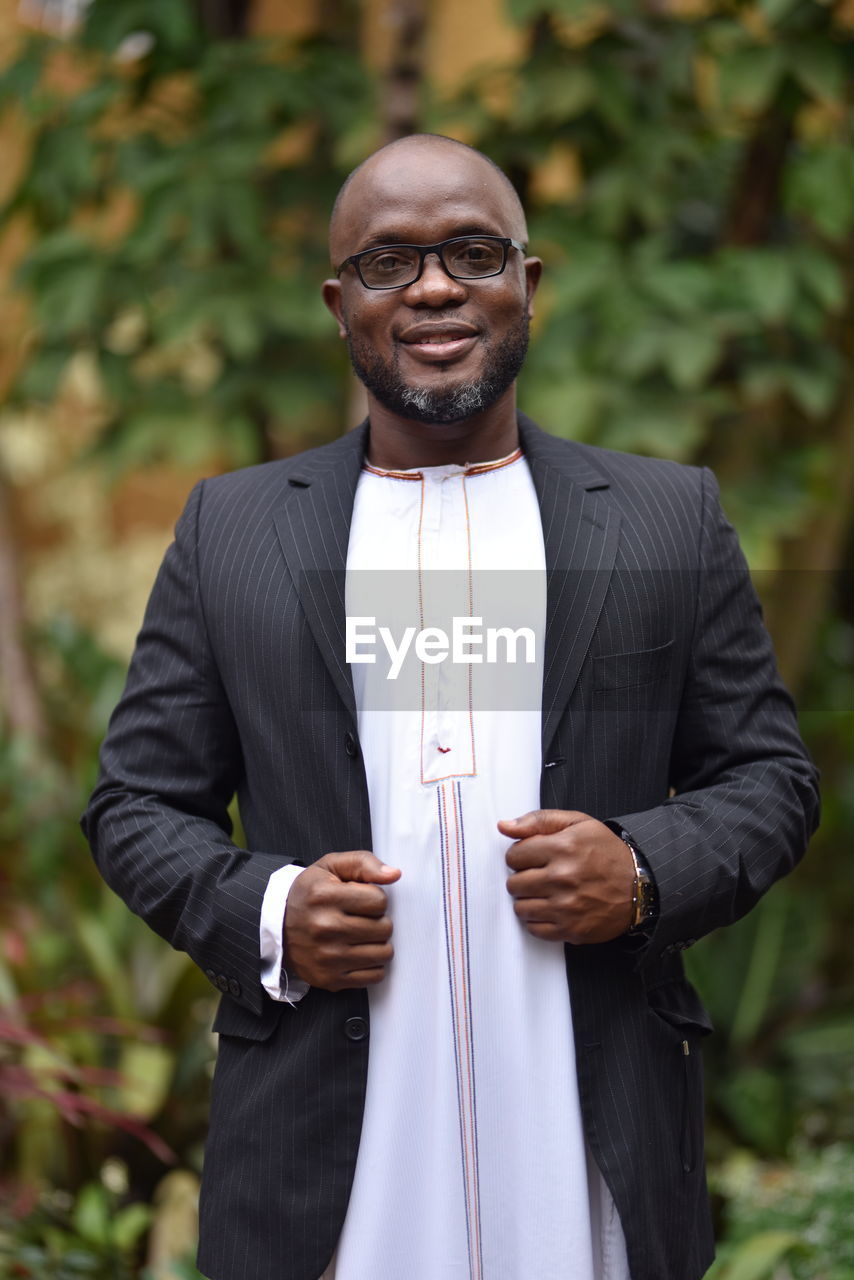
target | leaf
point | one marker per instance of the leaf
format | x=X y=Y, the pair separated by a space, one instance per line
x=662 y=431
x=775 y=11
x=41 y=375
x=749 y=77
x=146 y=1071
x=768 y=280
x=91 y=1216
x=98 y=946
x=820 y=185
x=823 y=277
x=558 y=94
x=813 y=389
x=820 y=68
x=689 y=356
x=643 y=349
x=760 y=382
x=170 y=22
x=590 y=269
x=758 y=1258
x=129 y=1224
x=684 y=287
x=757 y=1103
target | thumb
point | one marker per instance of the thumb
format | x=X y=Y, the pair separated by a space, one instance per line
x=360 y=865
x=540 y=822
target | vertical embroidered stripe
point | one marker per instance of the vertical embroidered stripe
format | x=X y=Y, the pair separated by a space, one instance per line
x=456 y=938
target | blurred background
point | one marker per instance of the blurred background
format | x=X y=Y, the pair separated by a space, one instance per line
x=167 y=171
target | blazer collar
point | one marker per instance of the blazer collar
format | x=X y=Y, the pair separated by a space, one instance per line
x=581 y=534
x=580 y=531
x=313 y=525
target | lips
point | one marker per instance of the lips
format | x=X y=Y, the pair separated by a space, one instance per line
x=439 y=341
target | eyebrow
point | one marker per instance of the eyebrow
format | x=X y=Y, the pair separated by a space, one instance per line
x=397 y=237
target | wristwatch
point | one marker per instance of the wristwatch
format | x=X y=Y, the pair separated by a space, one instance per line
x=644 y=892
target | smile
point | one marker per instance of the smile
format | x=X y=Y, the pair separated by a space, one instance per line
x=435 y=344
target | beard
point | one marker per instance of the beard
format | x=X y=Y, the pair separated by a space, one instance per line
x=503 y=361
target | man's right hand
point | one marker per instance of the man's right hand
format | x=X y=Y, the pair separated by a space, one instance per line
x=336 y=931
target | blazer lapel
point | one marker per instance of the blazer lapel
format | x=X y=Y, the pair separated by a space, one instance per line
x=581 y=534
x=314 y=530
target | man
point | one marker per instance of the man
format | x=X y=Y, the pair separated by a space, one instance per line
x=530 y=1106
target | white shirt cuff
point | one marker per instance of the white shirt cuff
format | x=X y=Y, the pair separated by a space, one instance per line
x=274 y=979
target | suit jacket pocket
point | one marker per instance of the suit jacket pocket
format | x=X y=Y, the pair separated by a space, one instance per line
x=629 y=670
x=678 y=1004
x=233 y=1020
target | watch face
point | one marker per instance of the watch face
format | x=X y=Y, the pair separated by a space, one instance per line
x=646 y=904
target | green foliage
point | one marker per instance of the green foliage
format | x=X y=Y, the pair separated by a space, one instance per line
x=104 y=1052
x=173 y=247
x=698 y=304
x=800 y=1213
x=678 y=312
x=66 y=1238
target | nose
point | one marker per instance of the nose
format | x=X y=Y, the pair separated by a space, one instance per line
x=434 y=287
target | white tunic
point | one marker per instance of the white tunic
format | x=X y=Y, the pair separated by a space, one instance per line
x=472 y=1162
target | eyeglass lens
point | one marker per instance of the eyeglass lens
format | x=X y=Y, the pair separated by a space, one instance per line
x=467 y=258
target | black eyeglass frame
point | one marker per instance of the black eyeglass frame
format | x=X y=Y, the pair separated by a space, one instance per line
x=506 y=243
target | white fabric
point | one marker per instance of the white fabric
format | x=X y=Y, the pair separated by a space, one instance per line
x=273 y=906
x=472 y=1162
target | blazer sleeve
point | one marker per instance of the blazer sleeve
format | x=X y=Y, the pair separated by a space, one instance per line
x=745 y=794
x=158 y=821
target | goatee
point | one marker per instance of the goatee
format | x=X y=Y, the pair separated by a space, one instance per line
x=442 y=404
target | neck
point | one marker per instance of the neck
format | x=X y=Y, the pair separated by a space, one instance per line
x=397 y=444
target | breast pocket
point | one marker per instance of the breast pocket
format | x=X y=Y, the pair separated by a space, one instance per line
x=631 y=670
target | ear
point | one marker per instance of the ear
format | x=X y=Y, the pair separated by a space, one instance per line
x=533 y=271
x=331 y=291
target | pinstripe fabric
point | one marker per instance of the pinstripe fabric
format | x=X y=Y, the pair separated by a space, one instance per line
x=658 y=675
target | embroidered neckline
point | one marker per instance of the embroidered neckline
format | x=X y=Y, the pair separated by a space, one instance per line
x=477 y=469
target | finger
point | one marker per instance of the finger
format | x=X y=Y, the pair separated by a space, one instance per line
x=361 y=978
x=362 y=900
x=355 y=930
x=359 y=865
x=530 y=884
x=548 y=932
x=543 y=822
x=525 y=854
x=534 y=910
x=366 y=957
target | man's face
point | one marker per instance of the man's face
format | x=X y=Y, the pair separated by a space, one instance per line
x=438 y=350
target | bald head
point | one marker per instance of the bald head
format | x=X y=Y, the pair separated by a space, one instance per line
x=428 y=165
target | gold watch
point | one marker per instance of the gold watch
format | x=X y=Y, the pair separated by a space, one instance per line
x=644 y=892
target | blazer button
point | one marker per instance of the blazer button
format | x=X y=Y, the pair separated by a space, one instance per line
x=356 y=1029
x=222 y=981
x=211 y=976
x=233 y=987
x=351 y=746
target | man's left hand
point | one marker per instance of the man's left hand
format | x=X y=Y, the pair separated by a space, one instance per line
x=572 y=876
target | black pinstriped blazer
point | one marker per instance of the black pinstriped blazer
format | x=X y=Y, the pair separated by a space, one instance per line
x=662 y=711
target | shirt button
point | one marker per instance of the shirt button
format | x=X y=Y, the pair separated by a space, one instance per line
x=350 y=745
x=356 y=1029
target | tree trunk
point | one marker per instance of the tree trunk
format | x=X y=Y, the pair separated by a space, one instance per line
x=400 y=105
x=21 y=705
x=225 y=19
x=756 y=196
x=803 y=592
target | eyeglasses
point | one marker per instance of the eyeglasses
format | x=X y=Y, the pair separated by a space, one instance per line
x=393 y=266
